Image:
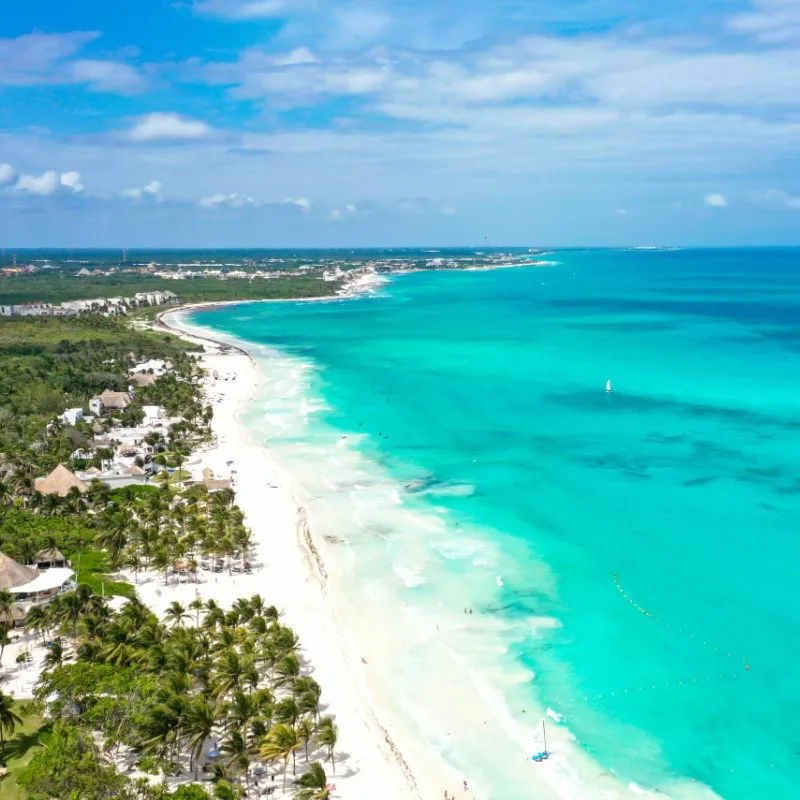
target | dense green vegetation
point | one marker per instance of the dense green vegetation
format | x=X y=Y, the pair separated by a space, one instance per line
x=56 y=287
x=23 y=741
x=124 y=689
x=48 y=364
x=162 y=694
x=91 y=568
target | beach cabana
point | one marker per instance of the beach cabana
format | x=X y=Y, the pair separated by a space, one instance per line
x=30 y=586
x=48 y=558
x=13 y=574
x=60 y=482
x=44 y=586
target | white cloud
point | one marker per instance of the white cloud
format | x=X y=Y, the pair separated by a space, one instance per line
x=303 y=203
x=716 y=200
x=72 y=181
x=601 y=74
x=50 y=182
x=107 y=76
x=37 y=58
x=300 y=55
x=243 y=9
x=234 y=200
x=7 y=174
x=772 y=21
x=775 y=197
x=45 y=184
x=168 y=126
x=152 y=191
x=41 y=59
x=342 y=213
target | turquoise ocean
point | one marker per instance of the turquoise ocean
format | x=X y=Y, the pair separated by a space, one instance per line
x=635 y=555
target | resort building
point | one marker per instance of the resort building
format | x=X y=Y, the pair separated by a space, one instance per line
x=152 y=414
x=72 y=415
x=52 y=557
x=109 y=401
x=60 y=481
x=31 y=586
x=155 y=365
x=215 y=484
x=117 y=476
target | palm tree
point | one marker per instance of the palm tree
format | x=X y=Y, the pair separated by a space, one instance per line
x=55 y=654
x=9 y=719
x=161 y=560
x=176 y=614
x=38 y=621
x=287 y=669
x=8 y=602
x=238 y=754
x=307 y=692
x=328 y=735
x=305 y=731
x=5 y=639
x=197 y=606
x=313 y=784
x=280 y=743
x=286 y=711
x=201 y=718
x=225 y=790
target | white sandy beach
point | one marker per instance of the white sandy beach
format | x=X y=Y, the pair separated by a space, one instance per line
x=288 y=573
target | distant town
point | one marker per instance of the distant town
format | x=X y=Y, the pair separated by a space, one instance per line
x=106 y=306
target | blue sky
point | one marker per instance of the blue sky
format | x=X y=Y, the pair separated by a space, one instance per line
x=390 y=122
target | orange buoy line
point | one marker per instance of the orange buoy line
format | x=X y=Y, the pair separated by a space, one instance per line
x=633 y=690
x=647 y=614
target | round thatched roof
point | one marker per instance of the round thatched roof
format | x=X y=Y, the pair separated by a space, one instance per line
x=59 y=482
x=13 y=574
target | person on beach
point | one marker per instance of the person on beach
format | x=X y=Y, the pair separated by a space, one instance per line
x=466 y=788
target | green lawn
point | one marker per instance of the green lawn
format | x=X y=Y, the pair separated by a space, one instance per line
x=91 y=568
x=20 y=749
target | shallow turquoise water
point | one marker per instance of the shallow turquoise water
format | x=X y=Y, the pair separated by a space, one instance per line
x=684 y=483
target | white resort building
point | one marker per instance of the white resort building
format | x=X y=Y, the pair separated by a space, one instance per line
x=31 y=586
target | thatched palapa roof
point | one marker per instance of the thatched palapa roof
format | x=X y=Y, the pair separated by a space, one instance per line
x=143 y=378
x=118 y=400
x=59 y=482
x=51 y=555
x=13 y=574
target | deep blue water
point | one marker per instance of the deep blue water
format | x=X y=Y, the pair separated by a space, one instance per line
x=667 y=513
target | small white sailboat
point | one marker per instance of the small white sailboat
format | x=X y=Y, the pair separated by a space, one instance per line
x=609 y=390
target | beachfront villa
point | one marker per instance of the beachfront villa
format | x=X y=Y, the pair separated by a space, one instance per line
x=109 y=401
x=48 y=558
x=60 y=482
x=31 y=586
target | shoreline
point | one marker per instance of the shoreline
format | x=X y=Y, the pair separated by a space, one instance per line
x=294 y=575
x=425 y=770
